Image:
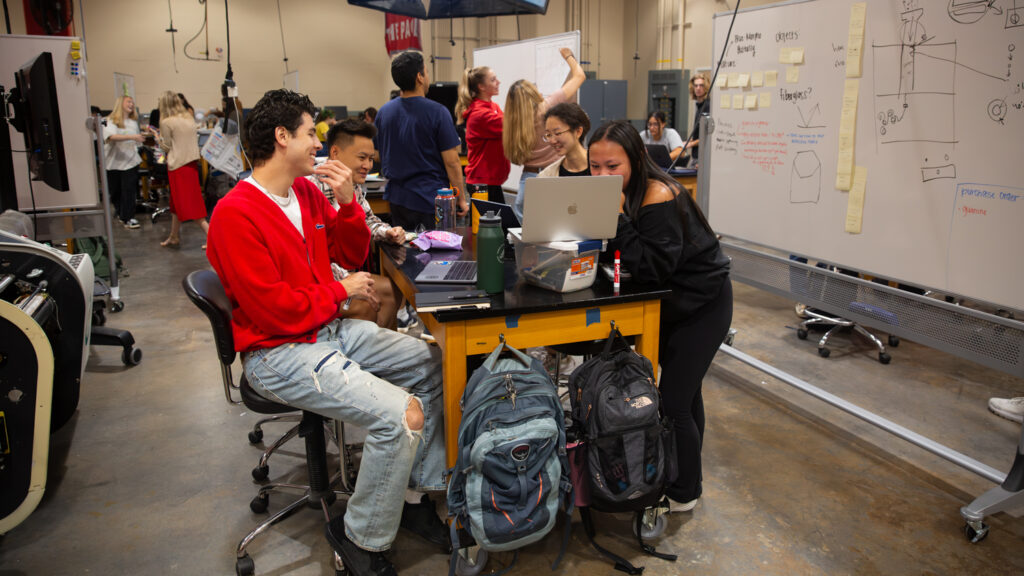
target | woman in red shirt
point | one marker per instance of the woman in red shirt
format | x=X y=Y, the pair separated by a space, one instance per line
x=488 y=168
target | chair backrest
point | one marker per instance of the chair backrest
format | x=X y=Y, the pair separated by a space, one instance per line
x=206 y=292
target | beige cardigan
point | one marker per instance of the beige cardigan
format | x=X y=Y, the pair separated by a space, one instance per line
x=179 y=140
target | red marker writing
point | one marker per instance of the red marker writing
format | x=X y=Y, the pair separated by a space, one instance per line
x=615 y=283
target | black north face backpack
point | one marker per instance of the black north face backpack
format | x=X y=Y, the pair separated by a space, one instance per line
x=627 y=453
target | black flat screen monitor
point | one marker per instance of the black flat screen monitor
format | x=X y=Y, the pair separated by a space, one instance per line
x=38 y=118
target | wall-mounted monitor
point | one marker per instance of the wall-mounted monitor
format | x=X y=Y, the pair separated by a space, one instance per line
x=37 y=117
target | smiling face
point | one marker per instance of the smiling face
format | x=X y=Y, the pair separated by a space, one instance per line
x=358 y=156
x=608 y=158
x=300 y=146
x=559 y=136
x=127 y=106
x=490 y=85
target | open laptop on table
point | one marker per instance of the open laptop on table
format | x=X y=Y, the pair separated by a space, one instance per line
x=571 y=208
x=448 y=272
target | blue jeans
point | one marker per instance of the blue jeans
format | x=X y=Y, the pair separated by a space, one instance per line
x=359 y=373
x=520 y=198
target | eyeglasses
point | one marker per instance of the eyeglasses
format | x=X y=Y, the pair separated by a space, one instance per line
x=549 y=136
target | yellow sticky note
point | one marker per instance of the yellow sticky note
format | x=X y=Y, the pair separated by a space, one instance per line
x=757 y=79
x=76 y=45
x=737 y=101
x=722 y=82
x=725 y=102
x=734 y=79
x=785 y=54
x=792 y=75
x=855 y=40
x=771 y=78
x=858 y=14
x=764 y=100
x=750 y=101
x=796 y=56
x=855 y=203
x=744 y=80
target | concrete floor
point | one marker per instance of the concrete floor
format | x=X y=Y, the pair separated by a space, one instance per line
x=152 y=475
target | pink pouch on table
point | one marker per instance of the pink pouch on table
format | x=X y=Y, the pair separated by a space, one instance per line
x=438 y=239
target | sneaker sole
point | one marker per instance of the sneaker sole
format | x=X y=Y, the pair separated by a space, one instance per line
x=1012 y=416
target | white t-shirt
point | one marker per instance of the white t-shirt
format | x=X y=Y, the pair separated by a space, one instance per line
x=290 y=207
x=669 y=138
x=124 y=154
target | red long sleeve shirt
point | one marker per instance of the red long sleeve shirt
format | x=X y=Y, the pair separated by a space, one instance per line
x=487 y=163
x=280 y=283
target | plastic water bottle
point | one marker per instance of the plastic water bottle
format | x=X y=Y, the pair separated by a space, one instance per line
x=444 y=210
x=490 y=254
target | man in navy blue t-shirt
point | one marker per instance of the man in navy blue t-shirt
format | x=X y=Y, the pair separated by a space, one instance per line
x=419 y=148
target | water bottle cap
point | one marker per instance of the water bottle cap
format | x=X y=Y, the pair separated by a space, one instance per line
x=490 y=218
x=446 y=192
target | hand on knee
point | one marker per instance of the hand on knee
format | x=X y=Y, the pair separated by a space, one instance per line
x=414 y=415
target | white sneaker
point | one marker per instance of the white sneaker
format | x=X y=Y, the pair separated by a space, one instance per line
x=1009 y=408
x=674 y=506
x=132 y=224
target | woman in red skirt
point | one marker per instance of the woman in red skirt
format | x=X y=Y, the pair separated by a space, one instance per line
x=179 y=141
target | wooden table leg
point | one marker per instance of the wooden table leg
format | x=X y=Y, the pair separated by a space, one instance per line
x=647 y=343
x=454 y=371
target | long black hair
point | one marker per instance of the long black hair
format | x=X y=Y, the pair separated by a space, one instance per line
x=642 y=171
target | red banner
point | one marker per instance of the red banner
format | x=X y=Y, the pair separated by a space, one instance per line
x=47 y=18
x=401 y=33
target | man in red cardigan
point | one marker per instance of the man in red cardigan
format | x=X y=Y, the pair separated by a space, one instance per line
x=271 y=242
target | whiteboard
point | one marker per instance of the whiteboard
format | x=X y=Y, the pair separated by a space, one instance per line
x=939 y=129
x=73 y=103
x=537 y=60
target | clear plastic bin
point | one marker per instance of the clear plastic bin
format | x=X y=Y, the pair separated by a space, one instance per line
x=558 y=266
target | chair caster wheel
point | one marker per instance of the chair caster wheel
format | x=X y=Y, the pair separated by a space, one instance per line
x=116 y=306
x=894 y=341
x=824 y=352
x=256 y=436
x=649 y=531
x=884 y=358
x=259 y=504
x=801 y=334
x=975 y=531
x=244 y=566
x=260 y=473
x=131 y=356
x=98 y=318
x=464 y=566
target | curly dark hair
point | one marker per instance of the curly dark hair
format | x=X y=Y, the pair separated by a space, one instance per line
x=343 y=133
x=276 y=108
x=404 y=69
x=573 y=115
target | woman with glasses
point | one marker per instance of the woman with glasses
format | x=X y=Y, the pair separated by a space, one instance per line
x=665 y=241
x=565 y=127
x=656 y=133
x=524 y=120
x=487 y=168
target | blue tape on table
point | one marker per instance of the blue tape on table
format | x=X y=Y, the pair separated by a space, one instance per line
x=593 y=316
x=512 y=321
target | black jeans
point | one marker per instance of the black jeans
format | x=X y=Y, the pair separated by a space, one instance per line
x=411 y=219
x=124 y=186
x=494 y=193
x=687 y=348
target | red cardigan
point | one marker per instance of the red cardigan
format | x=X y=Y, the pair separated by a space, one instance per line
x=487 y=163
x=280 y=284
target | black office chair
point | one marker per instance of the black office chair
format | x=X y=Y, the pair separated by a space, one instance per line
x=205 y=290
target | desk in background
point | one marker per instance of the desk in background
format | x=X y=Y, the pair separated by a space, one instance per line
x=374 y=189
x=687 y=178
x=526 y=315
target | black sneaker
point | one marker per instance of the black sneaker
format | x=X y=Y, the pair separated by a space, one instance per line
x=358 y=562
x=422 y=520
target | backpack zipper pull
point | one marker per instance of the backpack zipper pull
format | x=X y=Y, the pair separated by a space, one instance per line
x=511 y=389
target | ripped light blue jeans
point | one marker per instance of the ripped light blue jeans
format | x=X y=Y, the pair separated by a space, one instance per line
x=359 y=373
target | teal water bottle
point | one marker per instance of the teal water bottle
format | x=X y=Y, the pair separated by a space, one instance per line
x=490 y=254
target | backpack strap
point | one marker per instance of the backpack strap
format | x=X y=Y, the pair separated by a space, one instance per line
x=647 y=547
x=492 y=359
x=568 y=502
x=620 y=563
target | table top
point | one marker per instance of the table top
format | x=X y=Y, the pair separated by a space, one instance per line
x=518 y=296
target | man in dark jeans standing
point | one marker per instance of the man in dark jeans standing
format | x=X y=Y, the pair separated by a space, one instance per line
x=419 y=148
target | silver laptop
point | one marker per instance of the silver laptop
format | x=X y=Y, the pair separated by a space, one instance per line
x=448 y=272
x=571 y=208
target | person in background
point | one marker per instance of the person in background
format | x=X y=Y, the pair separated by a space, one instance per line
x=188 y=107
x=351 y=143
x=121 y=141
x=488 y=168
x=179 y=140
x=656 y=133
x=326 y=120
x=272 y=241
x=419 y=147
x=665 y=241
x=370 y=115
x=699 y=87
x=565 y=127
x=524 y=121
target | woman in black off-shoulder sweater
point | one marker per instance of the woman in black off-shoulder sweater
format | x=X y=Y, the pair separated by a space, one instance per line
x=665 y=240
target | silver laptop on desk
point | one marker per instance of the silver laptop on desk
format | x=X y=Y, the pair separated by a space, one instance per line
x=571 y=208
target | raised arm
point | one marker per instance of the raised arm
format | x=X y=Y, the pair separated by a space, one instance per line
x=576 y=75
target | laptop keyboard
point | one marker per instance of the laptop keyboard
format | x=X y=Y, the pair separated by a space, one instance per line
x=461 y=270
